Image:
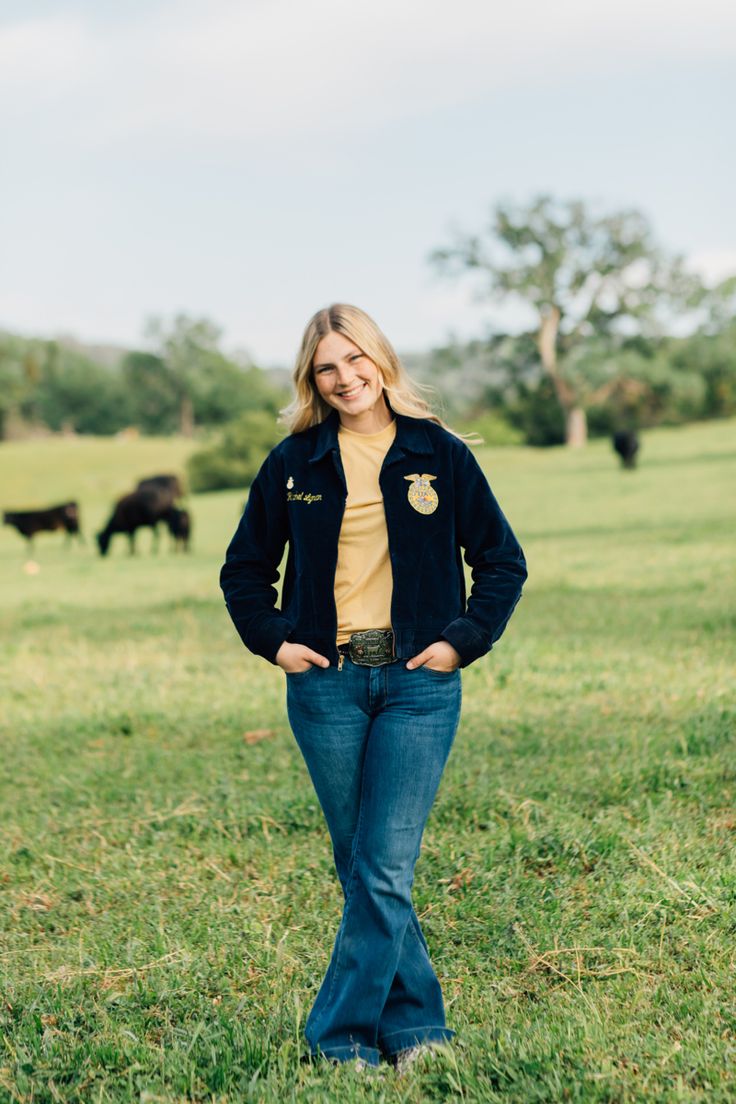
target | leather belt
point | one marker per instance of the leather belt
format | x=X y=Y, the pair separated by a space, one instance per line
x=371 y=648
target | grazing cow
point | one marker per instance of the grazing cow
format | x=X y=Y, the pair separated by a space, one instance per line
x=626 y=444
x=180 y=527
x=132 y=512
x=30 y=522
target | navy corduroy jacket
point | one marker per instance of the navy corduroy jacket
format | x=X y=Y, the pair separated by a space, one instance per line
x=298 y=497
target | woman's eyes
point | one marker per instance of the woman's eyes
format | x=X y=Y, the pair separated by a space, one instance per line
x=331 y=367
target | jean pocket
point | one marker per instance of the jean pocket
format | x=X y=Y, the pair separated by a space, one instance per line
x=438 y=674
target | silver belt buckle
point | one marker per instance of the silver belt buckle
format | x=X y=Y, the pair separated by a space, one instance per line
x=372 y=648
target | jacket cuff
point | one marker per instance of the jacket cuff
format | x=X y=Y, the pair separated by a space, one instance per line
x=466 y=640
x=273 y=636
x=266 y=637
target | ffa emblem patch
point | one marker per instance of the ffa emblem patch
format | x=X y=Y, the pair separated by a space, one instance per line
x=289 y=483
x=421 y=495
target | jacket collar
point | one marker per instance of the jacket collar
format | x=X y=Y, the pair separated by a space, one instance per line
x=411 y=436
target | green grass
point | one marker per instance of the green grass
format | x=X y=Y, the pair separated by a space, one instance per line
x=166 y=897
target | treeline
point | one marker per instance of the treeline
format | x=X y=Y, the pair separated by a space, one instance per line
x=628 y=382
x=187 y=382
x=623 y=383
x=496 y=386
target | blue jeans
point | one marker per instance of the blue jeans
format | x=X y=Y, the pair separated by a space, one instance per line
x=375 y=741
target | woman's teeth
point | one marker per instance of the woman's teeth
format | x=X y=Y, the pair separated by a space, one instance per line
x=353 y=391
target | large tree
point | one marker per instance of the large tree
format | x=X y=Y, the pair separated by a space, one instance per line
x=190 y=381
x=187 y=348
x=583 y=275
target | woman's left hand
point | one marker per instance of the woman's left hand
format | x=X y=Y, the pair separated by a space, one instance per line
x=440 y=656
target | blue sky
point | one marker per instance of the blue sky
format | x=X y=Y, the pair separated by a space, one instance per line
x=253 y=161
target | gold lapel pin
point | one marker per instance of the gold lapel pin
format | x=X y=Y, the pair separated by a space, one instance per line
x=422 y=496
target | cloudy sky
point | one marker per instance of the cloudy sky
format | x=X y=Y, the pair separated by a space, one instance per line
x=255 y=160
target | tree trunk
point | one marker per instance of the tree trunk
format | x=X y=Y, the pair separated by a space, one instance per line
x=576 y=427
x=576 y=422
x=186 y=417
x=547 y=340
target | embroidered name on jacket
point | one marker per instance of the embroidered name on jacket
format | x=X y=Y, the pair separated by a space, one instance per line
x=422 y=496
x=303 y=496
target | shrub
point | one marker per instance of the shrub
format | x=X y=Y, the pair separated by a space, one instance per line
x=538 y=414
x=235 y=459
x=492 y=427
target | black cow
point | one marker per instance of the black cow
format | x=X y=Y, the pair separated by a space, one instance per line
x=30 y=522
x=161 y=492
x=626 y=444
x=180 y=527
x=132 y=512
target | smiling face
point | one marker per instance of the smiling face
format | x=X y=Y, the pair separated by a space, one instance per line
x=349 y=381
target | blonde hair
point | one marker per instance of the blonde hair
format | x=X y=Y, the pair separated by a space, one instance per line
x=308 y=408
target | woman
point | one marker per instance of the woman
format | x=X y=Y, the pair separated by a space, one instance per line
x=376 y=499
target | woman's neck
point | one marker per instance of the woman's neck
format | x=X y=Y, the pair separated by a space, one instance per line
x=369 y=421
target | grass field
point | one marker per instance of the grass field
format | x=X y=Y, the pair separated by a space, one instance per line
x=166 y=897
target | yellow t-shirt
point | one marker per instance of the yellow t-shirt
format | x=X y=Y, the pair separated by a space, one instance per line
x=363 y=580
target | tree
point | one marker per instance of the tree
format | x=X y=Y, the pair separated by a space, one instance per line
x=13 y=377
x=187 y=348
x=75 y=393
x=584 y=276
x=155 y=396
x=720 y=306
x=225 y=390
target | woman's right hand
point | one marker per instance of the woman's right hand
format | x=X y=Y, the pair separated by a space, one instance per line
x=294 y=658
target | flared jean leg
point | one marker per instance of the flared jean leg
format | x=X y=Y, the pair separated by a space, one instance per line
x=376 y=771
x=415 y=995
